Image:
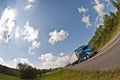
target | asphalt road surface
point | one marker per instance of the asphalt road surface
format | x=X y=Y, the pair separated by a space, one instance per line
x=109 y=58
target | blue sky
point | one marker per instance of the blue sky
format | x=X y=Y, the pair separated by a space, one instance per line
x=44 y=33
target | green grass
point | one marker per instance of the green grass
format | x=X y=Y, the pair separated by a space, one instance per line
x=6 y=77
x=63 y=74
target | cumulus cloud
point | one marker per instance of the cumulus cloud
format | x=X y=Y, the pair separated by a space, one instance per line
x=28 y=7
x=30 y=34
x=17 y=32
x=86 y=20
x=57 y=36
x=1 y=61
x=51 y=61
x=82 y=9
x=99 y=7
x=35 y=44
x=31 y=1
x=21 y=60
x=7 y=22
x=62 y=54
x=31 y=50
x=30 y=4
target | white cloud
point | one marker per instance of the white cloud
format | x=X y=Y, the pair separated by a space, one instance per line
x=99 y=7
x=15 y=60
x=28 y=7
x=82 y=9
x=57 y=36
x=30 y=4
x=62 y=54
x=6 y=24
x=85 y=19
x=99 y=25
x=13 y=63
x=31 y=1
x=35 y=44
x=1 y=61
x=17 y=32
x=31 y=50
x=51 y=61
x=21 y=60
x=30 y=34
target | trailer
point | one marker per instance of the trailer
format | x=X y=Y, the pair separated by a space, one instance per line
x=74 y=58
x=82 y=53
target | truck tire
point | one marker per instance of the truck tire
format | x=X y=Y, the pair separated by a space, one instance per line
x=87 y=56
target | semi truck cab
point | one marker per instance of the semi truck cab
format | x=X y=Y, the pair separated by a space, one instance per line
x=82 y=53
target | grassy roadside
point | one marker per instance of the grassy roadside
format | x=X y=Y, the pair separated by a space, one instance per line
x=63 y=74
x=6 y=77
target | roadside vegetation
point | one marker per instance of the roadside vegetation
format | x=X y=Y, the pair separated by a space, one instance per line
x=64 y=74
x=110 y=27
x=7 y=77
x=8 y=71
x=26 y=71
x=23 y=71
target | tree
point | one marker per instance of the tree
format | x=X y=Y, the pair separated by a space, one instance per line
x=116 y=3
x=26 y=71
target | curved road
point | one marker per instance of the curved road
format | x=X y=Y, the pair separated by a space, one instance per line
x=108 y=58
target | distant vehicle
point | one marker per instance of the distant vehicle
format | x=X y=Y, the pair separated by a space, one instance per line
x=82 y=53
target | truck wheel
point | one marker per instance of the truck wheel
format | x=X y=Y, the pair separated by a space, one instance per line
x=73 y=64
x=95 y=52
x=87 y=57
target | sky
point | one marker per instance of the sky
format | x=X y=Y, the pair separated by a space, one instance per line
x=44 y=33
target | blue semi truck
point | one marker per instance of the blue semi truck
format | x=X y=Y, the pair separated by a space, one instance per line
x=82 y=53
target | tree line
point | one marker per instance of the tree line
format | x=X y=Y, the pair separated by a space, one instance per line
x=23 y=71
x=8 y=71
x=110 y=27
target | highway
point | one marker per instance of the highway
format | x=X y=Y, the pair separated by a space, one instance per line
x=107 y=58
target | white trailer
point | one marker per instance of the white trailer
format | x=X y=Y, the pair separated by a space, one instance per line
x=74 y=57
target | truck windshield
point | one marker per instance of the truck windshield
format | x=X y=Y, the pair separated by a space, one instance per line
x=86 y=47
